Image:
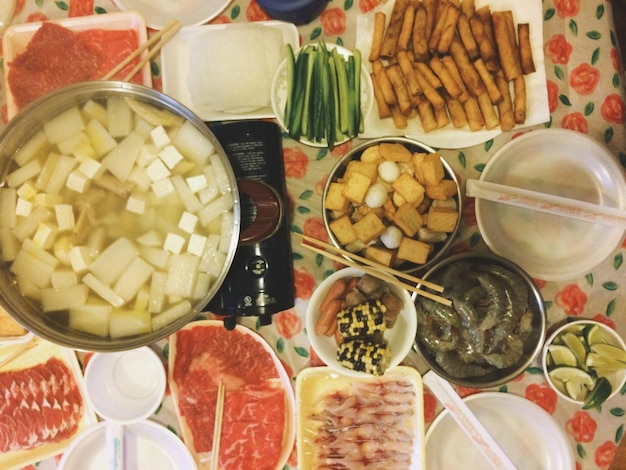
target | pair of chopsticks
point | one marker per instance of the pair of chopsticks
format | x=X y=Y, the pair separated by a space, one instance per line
x=158 y=40
x=377 y=270
x=21 y=349
x=217 y=427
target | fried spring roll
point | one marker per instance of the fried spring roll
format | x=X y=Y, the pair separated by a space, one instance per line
x=508 y=52
x=400 y=121
x=426 y=116
x=505 y=107
x=406 y=65
x=392 y=34
x=429 y=75
x=451 y=67
x=441 y=117
x=420 y=34
x=468 y=7
x=466 y=36
x=457 y=113
x=486 y=46
x=407 y=28
x=431 y=15
x=383 y=108
x=449 y=28
x=519 y=89
x=488 y=81
x=435 y=36
x=399 y=87
x=383 y=82
x=377 y=35
x=475 y=119
x=466 y=68
x=430 y=92
x=488 y=111
x=525 y=49
x=449 y=83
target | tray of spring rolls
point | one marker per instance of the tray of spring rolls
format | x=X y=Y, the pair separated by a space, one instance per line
x=384 y=414
x=457 y=77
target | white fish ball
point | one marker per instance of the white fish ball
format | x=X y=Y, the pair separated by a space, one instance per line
x=376 y=195
x=391 y=237
x=388 y=171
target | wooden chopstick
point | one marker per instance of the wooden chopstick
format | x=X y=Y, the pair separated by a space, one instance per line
x=159 y=39
x=360 y=259
x=217 y=427
x=380 y=275
x=31 y=343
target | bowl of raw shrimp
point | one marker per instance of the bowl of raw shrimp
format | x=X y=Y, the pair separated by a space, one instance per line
x=494 y=327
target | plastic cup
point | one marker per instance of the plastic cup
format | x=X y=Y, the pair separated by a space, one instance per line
x=126 y=386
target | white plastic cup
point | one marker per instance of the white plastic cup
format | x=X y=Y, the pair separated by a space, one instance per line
x=126 y=386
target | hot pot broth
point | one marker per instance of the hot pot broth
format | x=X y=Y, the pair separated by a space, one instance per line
x=115 y=217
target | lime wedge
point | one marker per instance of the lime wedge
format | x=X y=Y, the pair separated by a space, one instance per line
x=575 y=344
x=576 y=390
x=595 y=334
x=572 y=374
x=560 y=355
x=603 y=364
x=600 y=393
x=610 y=352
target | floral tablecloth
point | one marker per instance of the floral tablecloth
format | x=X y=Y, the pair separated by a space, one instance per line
x=585 y=84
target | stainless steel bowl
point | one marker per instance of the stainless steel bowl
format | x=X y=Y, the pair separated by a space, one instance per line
x=439 y=248
x=22 y=127
x=453 y=267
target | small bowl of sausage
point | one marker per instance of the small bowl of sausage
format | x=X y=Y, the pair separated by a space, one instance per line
x=360 y=325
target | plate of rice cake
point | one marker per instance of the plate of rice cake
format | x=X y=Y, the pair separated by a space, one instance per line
x=159 y=13
x=224 y=72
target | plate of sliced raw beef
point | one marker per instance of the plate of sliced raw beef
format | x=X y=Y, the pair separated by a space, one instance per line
x=258 y=423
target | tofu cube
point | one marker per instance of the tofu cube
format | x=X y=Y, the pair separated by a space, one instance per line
x=356 y=187
x=136 y=204
x=159 y=137
x=409 y=188
x=394 y=152
x=335 y=200
x=442 y=219
x=188 y=222
x=380 y=255
x=163 y=188
x=408 y=219
x=413 y=251
x=369 y=228
x=343 y=229
x=196 y=245
x=91 y=168
x=77 y=181
x=23 y=207
x=446 y=189
x=196 y=183
x=174 y=243
x=157 y=171
x=170 y=156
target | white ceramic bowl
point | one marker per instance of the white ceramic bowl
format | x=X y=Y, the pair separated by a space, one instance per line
x=126 y=386
x=400 y=338
x=617 y=379
x=563 y=163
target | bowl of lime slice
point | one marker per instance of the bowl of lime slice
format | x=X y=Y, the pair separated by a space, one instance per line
x=584 y=361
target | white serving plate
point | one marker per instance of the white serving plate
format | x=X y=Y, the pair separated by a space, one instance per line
x=314 y=382
x=16 y=39
x=537 y=110
x=146 y=445
x=159 y=13
x=175 y=66
x=400 y=338
x=564 y=163
x=279 y=94
x=526 y=433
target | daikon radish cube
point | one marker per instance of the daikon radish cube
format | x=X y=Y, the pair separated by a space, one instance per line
x=61 y=249
x=8 y=203
x=170 y=315
x=23 y=208
x=28 y=288
x=94 y=110
x=65 y=216
x=190 y=141
x=26 y=191
x=149 y=153
x=139 y=178
x=45 y=235
x=93 y=317
x=113 y=260
x=9 y=245
x=163 y=188
x=47 y=200
x=200 y=289
x=84 y=151
x=91 y=168
x=151 y=238
x=226 y=233
x=174 y=243
x=125 y=323
x=215 y=208
x=68 y=145
x=27 y=226
x=196 y=244
x=221 y=175
x=157 y=288
x=77 y=181
x=120 y=117
x=142 y=299
x=214 y=264
x=133 y=278
x=181 y=275
x=96 y=241
x=190 y=201
x=121 y=159
x=63 y=277
x=143 y=127
x=155 y=256
x=210 y=249
x=159 y=137
x=63 y=298
x=104 y=291
x=187 y=222
x=36 y=147
x=101 y=141
x=28 y=266
x=80 y=258
x=24 y=173
x=64 y=125
x=60 y=174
